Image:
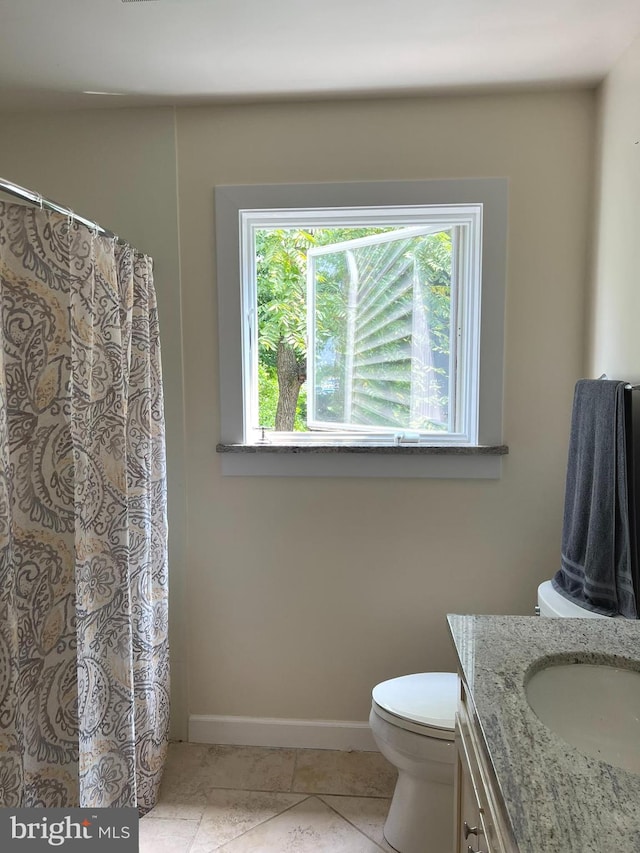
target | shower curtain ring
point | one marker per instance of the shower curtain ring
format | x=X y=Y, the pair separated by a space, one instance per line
x=39 y=201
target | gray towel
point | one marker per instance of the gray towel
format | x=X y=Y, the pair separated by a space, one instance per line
x=596 y=569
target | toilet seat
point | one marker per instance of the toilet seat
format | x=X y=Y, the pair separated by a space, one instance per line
x=424 y=703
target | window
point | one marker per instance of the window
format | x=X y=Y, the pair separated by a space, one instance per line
x=382 y=350
x=372 y=313
x=362 y=316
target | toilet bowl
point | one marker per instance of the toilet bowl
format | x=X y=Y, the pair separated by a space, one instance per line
x=412 y=721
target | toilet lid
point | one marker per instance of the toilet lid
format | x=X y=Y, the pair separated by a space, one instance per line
x=426 y=698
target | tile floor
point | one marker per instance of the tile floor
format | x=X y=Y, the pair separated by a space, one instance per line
x=246 y=799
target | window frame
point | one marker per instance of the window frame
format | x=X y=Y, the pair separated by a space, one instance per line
x=478 y=454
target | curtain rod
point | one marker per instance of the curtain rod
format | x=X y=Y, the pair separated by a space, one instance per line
x=36 y=198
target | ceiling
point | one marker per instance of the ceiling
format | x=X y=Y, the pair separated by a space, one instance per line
x=93 y=53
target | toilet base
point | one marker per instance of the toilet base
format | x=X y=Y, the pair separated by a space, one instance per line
x=420 y=818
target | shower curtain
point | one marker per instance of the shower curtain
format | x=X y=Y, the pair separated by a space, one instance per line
x=84 y=669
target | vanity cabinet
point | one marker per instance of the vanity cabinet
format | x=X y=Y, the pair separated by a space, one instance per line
x=480 y=823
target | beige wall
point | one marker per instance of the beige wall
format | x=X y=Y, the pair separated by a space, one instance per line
x=118 y=167
x=303 y=593
x=615 y=305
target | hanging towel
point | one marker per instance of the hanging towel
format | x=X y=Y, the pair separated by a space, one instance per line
x=596 y=570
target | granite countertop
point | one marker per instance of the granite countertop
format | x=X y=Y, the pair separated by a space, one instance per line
x=557 y=799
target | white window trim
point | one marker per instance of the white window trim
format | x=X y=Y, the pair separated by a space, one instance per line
x=284 y=201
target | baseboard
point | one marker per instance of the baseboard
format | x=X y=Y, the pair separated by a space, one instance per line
x=266 y=731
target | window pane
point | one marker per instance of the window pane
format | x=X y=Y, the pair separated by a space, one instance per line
x=281 y=269
x=381 y=333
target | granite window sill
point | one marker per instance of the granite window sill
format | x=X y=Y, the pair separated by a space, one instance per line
x=361 y=460
x=375 y=449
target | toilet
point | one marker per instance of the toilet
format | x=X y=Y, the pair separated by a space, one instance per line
x=551 y=603
x=412 y=721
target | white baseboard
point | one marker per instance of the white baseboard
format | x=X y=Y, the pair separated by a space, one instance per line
x=295 y=734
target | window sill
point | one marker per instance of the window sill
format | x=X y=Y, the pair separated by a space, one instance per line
x=353 y=460
x=392 y=449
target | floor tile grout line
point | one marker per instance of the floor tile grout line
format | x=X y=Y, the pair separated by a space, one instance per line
x=263 y=822
x=303 y=794
x=289 y=790
x=293 y=772
x=186 y=819
x=342 y=794
x=195 y=834
x=357 y=828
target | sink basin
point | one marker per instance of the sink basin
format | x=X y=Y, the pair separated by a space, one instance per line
x=595 y=708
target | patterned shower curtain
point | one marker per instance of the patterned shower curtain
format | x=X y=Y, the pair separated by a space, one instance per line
x=84 y=663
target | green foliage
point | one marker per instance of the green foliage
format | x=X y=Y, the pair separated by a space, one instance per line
x=267 y=395
x=433 y=257
x=281 y=261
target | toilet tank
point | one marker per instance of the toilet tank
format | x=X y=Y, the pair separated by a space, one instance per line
x=551 y=603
